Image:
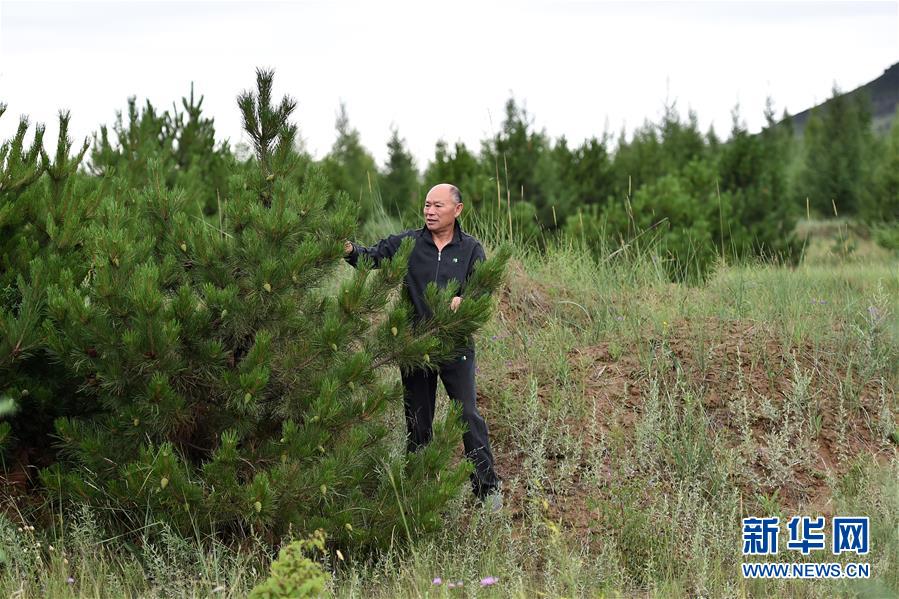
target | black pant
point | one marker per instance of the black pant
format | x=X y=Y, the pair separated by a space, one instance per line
x=420 y=393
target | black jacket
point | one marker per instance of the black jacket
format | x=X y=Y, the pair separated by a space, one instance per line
x=455 y=261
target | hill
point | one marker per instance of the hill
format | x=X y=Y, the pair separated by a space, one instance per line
x=883 y=93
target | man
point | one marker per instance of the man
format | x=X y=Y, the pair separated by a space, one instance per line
x=441 y=252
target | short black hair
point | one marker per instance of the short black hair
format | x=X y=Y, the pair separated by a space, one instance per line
x=457 y=195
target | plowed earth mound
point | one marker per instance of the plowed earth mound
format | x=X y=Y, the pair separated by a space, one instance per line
x=744 y=378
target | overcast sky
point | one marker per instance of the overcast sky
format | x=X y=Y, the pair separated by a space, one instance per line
x=439 y=69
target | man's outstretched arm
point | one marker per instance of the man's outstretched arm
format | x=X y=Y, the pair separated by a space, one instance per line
x=383 y=250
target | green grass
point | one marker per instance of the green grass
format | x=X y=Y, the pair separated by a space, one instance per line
x=636 y=422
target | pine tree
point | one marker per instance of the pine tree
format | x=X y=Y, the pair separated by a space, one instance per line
x=713 y=143
x=228 y=392
x=514 y=154
x=753 y=174
x=20 y=167
x=656 y=150
x=45 y=203
x=675 y=216
x=682 y=142
x=181 y=143
x=638 y=161
x=202 y=165
x=556 y=172
x=351 y=168
x=401 y=192
x=147 y=136
x=593 y=171
x=838 y=143
x=882 y=205
x=573 y=179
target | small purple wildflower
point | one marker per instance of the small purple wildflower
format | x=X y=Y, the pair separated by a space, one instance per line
x=489 y=581
x=437 y=581
x=450 y=585
x=494 y=338
x=873 y=312
x=70 y=580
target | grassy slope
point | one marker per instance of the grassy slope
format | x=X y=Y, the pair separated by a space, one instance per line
x=635 y=422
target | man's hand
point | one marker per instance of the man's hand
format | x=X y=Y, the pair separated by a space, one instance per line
x=347 y=248
x=454 y=304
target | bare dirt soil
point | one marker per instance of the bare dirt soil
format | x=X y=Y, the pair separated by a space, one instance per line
x=724 y=361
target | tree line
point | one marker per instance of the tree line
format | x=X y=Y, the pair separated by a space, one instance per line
x=694 y=195
x=688 y=194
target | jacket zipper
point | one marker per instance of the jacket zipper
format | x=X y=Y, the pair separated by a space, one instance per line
x=438 y=265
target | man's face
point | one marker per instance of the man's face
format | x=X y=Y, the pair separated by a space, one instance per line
x=441 y=210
